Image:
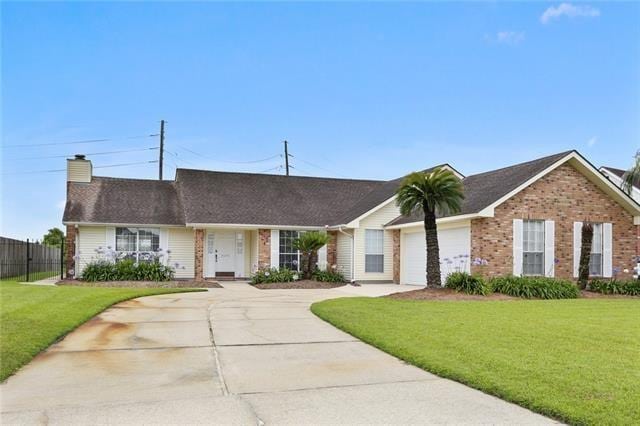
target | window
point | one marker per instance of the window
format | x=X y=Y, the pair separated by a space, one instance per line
x=595 y=259
x=289 y=257
x=138 y=244
x=533 y=247
x=374 y=250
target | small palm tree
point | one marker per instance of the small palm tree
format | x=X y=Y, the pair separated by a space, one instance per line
x=308 y=244
x=435 y=192
x=632 y=175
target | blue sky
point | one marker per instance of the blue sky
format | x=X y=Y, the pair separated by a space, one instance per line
x=360 y=90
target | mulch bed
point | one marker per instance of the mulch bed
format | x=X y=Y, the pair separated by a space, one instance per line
x=142 y=284
x=444 y=294
x=308 y=284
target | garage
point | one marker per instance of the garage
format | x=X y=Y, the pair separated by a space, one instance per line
x=454 y=242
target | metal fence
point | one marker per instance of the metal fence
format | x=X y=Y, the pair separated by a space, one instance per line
x=30 y=261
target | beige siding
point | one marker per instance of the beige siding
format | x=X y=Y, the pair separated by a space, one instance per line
x=247 y=253
x=376 y=220
x=253 y=255
x=343 y=248
x=79 y=171
x=182 y=247
x=90 y=239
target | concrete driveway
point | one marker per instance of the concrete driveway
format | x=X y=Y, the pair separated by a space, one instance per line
x=236 y=355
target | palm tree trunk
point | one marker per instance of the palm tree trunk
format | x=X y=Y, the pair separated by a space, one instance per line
x=433 y=249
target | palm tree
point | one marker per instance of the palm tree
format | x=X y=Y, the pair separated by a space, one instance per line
x=632 y=176
x=308 y=244
x=436 y=192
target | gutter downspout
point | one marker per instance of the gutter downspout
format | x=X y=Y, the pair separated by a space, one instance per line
x=353 y=253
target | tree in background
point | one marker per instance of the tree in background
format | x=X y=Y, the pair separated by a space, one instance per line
x=632 y=176
x=308 y=244
x=585 y=254
x=54 y=237
x=432 y=193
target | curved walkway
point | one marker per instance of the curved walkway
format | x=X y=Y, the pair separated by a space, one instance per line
x=236 y=355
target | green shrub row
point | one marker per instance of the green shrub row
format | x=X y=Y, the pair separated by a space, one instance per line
x=328 y=276
x=466 y=283
x=535 y=287
x=525 y=287
x=126 y=270
x=274 y=275
x=628 y=287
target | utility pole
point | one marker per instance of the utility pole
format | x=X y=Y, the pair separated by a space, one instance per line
x=286 y=157
x=161 y=149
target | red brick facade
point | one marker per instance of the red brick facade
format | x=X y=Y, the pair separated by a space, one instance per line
x=396 y=256
x=564 y=196
x=199 y=253
x=332 y=249
x=70 y=251
x=264 y=248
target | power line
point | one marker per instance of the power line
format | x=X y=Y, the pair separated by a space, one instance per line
x=76 y=142
x=315 y=165
x=262 y=160
x=92 y=153
x=95 y=167
x=278 y=167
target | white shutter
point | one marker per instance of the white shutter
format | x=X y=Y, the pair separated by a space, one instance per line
x=164 y=245
x=517 y=247
x=607 y=250
x=549 y=248
x=110 y=238
x=322 y=258
x=577 y=247
x=275 y=248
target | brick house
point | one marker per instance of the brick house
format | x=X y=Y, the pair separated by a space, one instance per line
x=523 y=219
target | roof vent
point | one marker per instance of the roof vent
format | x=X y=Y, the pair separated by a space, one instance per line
x=80 y=157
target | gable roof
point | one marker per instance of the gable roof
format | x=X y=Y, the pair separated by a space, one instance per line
x=125 y=201
x=620 y=173
x=484 y=190
x=259 y=199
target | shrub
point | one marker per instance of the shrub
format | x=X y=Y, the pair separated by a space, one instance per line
x=535 y=287
x=126 y=270
x=466 y=283
x=328 y=276
x=629 y=287
x=274 y=275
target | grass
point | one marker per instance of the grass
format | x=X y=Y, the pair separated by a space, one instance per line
x=33 y=317
x=575 y=360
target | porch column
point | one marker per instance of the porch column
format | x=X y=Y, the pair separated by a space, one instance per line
x=70 y=252
x=199 y=253
x=264 y=248
x=332 y=250
x=396 y=256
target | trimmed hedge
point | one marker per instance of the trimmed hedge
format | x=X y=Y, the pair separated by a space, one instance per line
x=126 y=270
x=467 y=283
x=535 y=287
x=629 y=287
x=274 y=275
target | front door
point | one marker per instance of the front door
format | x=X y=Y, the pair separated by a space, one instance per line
x=224 y=252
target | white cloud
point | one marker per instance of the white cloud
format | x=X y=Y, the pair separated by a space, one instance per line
x=510 y=37
x=570 y=11
x=592 y=141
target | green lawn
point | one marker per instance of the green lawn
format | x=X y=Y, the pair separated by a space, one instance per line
x=33 y=317
x=575 y=360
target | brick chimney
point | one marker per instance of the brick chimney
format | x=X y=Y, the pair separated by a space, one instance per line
x=79 y=169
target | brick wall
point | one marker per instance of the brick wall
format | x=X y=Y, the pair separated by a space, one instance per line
x=564 y=196
x=70 y=251
x=396 y=256
x=332 y=249
x=264 y=248
x=199 y=253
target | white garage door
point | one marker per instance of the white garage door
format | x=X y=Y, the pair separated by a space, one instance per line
x=453 y=243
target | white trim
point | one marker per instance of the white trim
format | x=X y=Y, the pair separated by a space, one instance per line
x=440 y=221
x=517 y=246
x=549 y=248
x=252 y=226
x=577 y=247
x=125 y=224
x=355 y=223
x=607 y=250
x=274 y=241
x=617 y=180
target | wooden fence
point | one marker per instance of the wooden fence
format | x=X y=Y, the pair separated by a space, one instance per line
x=29 y=261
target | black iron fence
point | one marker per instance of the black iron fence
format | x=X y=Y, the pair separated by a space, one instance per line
x=30 y=261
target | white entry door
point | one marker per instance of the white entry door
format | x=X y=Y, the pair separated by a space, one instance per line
x=225 y=252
